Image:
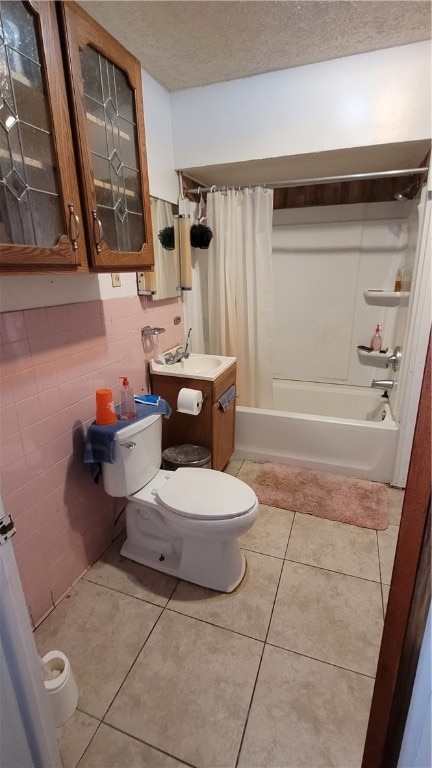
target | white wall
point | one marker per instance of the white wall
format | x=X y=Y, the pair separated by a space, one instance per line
x=25 y=292
x=163 y=179
x=323 y=260
x=372 y=98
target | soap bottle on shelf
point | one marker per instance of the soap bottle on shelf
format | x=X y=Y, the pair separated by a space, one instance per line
x=376 y=340
x=398 y=280
x=127 y=400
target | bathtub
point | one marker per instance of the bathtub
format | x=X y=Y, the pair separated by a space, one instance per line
x=330 y=427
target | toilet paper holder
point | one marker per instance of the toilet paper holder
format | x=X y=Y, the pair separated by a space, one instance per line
x=188 y=407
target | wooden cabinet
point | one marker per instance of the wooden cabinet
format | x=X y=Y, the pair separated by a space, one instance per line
x=108 y=109
x=213 y=428
x=48 y=143
x=40 y=212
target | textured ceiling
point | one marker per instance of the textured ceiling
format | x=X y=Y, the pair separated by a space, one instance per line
x=187 y=43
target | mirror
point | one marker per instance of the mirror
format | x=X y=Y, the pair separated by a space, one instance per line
x=167 y=267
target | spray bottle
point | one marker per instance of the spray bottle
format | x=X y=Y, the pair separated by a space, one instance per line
x=376 y=340
x=127 y=400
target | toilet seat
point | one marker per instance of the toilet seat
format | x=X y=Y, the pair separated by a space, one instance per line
x=206 y=494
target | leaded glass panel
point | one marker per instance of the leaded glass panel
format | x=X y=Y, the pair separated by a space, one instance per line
x=18 y=215
x=91 y=75
x=19 y=29
x=102 y=181
x=136 y=230
x=29 y=175
x=7 y=97
x=108 y=221
x=125 y=101
x=30 y=101
x=5 y=155
x=128 y=143
x=39 y=163
x=133 y=190
x=96 y=127
x=110 y=108
x=15 y=161
x=45 y=216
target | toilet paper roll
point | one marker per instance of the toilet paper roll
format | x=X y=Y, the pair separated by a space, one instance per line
x=190 y=401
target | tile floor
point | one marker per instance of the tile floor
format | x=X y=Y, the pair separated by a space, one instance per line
x=278 y=674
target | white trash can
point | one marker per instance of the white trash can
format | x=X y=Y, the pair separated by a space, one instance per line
x=62 y=690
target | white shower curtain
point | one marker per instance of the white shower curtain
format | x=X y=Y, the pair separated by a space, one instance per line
x=240 y=288
x=195 y=301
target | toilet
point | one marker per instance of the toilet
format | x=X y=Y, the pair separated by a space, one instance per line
x=186 y=522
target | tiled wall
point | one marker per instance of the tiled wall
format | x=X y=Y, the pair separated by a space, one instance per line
x=52 y=361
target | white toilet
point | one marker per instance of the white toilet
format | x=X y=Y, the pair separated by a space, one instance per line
x=185 y=523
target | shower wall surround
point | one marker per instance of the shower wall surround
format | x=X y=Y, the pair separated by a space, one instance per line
x=52 y=361
x=324 y=259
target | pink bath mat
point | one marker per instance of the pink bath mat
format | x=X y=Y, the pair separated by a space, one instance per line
x=335 y=497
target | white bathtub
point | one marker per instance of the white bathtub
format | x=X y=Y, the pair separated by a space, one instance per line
x=334 y=428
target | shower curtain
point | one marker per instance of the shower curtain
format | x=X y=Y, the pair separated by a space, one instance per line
x=238 y=320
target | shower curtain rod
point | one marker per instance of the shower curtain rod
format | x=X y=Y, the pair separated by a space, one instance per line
x=309 y=182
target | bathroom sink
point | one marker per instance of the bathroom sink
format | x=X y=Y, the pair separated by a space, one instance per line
x=195 y=366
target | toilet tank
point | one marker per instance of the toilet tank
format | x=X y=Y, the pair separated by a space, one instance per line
x=137 y=457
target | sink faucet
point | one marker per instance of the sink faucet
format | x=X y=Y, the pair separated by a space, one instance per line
x=186 y=352
x=382 y=384
x=179 y=353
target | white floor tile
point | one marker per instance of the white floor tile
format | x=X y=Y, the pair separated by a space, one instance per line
x=328 y=616
x=334 y=546
x=306 y=714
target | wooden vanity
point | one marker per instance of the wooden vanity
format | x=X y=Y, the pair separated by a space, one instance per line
x=213 y=428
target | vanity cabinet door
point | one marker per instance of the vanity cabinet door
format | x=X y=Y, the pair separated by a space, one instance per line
x=180 y=427
x=107 y=102
x=223 y=434
x=223 y=422
x=213 y=428
x=39 y=200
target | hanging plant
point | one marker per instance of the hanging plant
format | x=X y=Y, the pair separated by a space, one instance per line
x=200 y=236
x=166 y=238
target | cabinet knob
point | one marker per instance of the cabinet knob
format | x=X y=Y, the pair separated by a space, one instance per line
x=74 y=226
x=97 y=231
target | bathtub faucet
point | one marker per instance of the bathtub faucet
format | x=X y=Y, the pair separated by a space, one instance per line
x=394 y=359
x=382 y=384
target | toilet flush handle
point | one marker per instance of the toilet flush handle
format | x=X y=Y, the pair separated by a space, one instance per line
x=129 y=446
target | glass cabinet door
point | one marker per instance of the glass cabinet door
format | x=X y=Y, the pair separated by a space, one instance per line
x=107 y=94
x=39 y=199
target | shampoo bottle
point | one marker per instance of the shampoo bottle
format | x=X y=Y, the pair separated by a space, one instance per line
x=376 y=340
x=127 y=400
x=398 y=280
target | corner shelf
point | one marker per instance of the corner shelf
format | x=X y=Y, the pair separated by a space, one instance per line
x=374 y=357
x=391 y=298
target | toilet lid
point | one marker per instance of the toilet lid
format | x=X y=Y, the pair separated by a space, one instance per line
x=206 y=494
